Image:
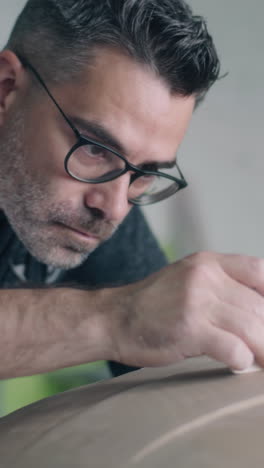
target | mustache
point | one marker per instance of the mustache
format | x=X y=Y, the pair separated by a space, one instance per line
x=92 y=221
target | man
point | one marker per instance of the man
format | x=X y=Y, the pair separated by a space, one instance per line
x=95 y=99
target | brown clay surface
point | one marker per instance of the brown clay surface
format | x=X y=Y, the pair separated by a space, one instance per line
x=193 y=415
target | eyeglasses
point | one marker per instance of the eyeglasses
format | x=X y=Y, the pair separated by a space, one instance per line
x=94 y=163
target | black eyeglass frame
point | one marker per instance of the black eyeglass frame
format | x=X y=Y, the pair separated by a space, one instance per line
x=178 y=185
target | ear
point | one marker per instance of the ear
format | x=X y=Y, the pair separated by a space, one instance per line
x=10 y=81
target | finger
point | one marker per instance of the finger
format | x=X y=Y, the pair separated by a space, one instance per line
x=228 y=349
x=240 y=311
x=248 y=328
x=247 y=270
x=231 y=293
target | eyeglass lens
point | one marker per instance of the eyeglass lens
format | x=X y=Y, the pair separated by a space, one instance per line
x=92 y=162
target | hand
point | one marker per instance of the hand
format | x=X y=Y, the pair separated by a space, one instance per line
x=207 y=303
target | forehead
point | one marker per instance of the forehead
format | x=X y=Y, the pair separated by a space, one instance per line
x=131 y=102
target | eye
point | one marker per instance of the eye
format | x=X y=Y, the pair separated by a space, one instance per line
x=144 y=180
x=94 y=150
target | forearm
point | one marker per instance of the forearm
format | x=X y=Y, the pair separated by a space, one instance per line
x=45 y=329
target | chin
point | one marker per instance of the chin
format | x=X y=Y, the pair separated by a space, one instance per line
x=63 y=258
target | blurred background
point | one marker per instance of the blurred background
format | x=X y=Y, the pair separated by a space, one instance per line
x=221 y=158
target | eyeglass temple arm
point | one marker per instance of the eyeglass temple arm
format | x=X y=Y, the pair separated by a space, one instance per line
x=25 y=63
x=180 y=172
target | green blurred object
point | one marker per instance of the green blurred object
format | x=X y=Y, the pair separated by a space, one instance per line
x=170 y=252
x=16 y=393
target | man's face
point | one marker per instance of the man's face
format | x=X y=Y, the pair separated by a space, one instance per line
x=60 y=220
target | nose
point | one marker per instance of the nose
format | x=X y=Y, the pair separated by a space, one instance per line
x=110 y=198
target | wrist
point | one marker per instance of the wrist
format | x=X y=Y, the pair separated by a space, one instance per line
x=95 y=329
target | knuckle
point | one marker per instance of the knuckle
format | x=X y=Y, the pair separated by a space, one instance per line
x=201 y=273
x=206 y=256
x=201 y=257
x=200 y=270
x=198 y=292
x=256 y=265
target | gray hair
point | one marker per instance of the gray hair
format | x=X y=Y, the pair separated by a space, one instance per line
x=60 y=37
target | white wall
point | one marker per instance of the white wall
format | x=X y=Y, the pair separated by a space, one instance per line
x=9 y=10
x=222 y=154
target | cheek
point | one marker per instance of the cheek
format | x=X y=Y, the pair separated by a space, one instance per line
x=47 y=154
x=48 y=141
x=46 y=164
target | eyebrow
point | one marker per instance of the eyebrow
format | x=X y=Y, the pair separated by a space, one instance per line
x=105 y=137
x=101 y=134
